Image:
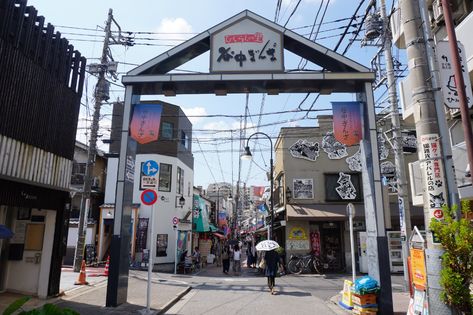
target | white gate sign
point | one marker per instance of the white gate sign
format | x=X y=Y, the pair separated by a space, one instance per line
x=447 y=77
x=246 y=46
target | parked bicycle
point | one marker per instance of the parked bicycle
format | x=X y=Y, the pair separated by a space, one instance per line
x=297 y=264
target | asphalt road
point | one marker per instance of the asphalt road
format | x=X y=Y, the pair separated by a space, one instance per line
x=215 y=293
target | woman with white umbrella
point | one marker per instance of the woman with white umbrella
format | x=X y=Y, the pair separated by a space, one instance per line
x=271 y=261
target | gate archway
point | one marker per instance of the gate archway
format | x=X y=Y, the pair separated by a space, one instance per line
x=243 y=74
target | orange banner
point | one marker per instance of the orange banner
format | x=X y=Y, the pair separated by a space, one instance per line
x=418 y=272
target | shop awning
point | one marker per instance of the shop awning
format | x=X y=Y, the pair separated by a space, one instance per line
x=213 y=228
x=317 y=212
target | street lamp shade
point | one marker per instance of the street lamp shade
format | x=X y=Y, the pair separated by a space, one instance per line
x=182 y=201
x=247 y=155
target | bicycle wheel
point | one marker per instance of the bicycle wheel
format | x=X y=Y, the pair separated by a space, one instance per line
x=295 y=266
x=317 y=264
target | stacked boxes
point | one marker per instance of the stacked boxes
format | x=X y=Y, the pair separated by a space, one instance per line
x=364 y=304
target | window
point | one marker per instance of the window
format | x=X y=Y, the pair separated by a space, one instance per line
x=180 y=181
x=167 y=130
x=333 y=181
x=78 y=173
x=165 y=174
x=161 y=245
x=184 y=139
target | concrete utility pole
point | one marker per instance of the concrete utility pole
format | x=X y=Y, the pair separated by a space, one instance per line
x=100 y=95
x=403 y=200
x=429 y=146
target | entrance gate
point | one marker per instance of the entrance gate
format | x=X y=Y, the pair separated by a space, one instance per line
x=254 y=70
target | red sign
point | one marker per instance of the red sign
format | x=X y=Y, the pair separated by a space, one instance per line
x=438 y=214
x=149 y=197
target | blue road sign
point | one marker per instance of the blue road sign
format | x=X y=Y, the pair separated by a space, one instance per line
x=150 y=168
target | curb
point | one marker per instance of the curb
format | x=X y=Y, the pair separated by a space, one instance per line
x=332 y=303
x=171 y=303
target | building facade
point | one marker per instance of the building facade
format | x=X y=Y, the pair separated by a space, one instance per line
x=315 y=178
x=172 y=151
x=40 y=90
x=79 y=166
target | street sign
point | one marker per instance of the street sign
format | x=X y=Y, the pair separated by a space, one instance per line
x=150 y=168
x=175 y=221
x=438 y=214
x=149 y=182
x=149 y=197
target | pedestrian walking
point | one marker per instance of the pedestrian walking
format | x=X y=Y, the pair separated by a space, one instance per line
x=271 y=259
x=196 y=257
x=226 y=259
x=218 y=253
x=236 y=259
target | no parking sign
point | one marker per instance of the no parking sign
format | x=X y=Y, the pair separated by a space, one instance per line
x=149 y=197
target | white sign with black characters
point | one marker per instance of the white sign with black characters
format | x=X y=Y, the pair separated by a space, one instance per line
x=334 y=149
x=354 y=161
x=304 y=149
x=383 y=149
x=447 y=75
x=433 y=174
x=345 y=190
x=303 y=188
x=246 y=46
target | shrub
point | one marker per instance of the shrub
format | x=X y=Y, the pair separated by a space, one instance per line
x=456 y=236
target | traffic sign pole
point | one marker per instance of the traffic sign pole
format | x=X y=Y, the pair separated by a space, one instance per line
x=150 y=262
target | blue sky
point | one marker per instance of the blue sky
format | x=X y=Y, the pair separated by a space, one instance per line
x=168 y=23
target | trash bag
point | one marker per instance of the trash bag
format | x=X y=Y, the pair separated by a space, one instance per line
x=366 y=285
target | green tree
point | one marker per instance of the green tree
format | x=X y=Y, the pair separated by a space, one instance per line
x=456 y=236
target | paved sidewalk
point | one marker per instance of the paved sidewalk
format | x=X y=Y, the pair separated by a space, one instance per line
x=90 y=299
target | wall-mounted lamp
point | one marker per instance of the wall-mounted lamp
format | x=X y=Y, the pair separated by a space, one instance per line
x=180 y=201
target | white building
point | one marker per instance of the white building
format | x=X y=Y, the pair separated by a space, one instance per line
x=172 y=152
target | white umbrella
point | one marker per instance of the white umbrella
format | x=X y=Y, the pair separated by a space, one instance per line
x=267 y=245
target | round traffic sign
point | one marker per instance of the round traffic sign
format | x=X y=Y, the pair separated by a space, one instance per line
x=175 y=220
x=150 y=168
x=149 y=197
x=438 y=213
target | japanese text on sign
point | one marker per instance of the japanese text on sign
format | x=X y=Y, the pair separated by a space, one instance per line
x=447 y=76
x=246 y=46
x=433 y=174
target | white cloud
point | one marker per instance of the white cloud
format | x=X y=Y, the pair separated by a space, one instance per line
x=174 y=30
x=194 y=111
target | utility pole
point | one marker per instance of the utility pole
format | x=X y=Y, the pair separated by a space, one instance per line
x=429 y=145
x=100 y=94
x=403 y=200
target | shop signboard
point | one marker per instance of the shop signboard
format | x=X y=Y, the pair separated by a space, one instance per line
x=419 y=274
x=433 y=175
x=246 y=46
x=447 y=75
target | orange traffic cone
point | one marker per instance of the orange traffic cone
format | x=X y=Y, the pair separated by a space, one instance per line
x=105 y=272
x=81 y=280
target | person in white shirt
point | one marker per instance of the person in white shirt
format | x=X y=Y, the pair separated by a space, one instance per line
x=236 y=259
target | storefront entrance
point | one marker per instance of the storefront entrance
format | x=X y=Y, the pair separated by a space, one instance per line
x=326 y=242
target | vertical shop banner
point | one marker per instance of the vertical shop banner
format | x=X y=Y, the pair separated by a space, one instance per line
x=433 y=175
x=141 y=234
x=347 y=122
x=144 y=126
x=418 y=270
x=315 y=243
